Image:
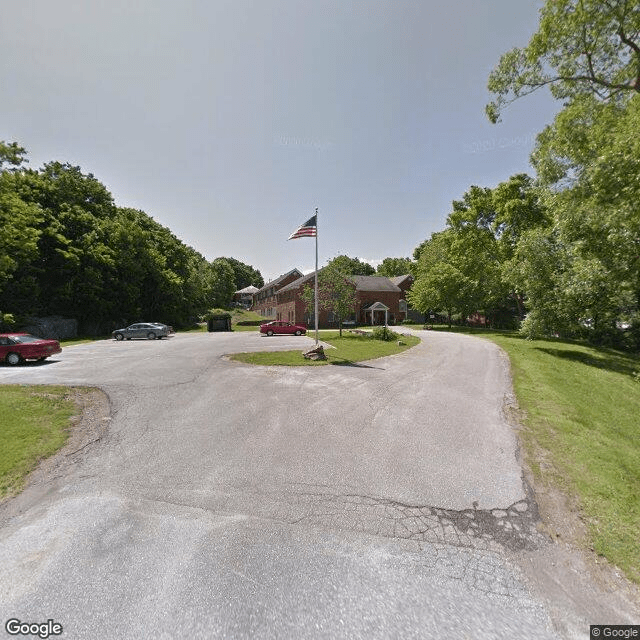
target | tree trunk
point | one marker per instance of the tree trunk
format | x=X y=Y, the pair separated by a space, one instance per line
x=520 y=302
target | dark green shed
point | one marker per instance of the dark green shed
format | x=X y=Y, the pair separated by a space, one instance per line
x=219 y=322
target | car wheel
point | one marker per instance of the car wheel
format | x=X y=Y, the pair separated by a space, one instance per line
x=151 y=335
x=269 y=333
x=119 y=336
x=14 y=359
x=42 y=359
x=298 y=332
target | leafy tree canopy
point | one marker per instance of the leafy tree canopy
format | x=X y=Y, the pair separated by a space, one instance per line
x=245 y=275
x=336 y=293
x=351 y=266
x=67 y=249
x=440 y=285
x=479 y=242
x=224 y=284
x=391 y=267
x=12 y=154
x=582 y=47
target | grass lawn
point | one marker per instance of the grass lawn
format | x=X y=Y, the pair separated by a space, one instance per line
x=243 y=315
x=34 y=426
x=240 y=327
x=349 y=349
x=199 y=328
x=582 y=418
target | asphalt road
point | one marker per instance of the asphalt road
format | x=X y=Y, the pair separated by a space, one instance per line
x=229 y=501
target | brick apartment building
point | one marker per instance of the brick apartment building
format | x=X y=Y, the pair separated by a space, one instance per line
x=265 y=301
x=378 y=299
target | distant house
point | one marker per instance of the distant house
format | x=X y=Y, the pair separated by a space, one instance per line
x=244 y=297
x=264 y=300
x=378 y=300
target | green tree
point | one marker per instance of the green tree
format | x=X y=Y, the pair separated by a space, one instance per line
x=223 y=283
x=64 y=273
x=539 y=267
x=19 y=230
x=482 y=232
x=19 y=224
x=245 y=275
x=589 y=158
x=336 y=294
x=351 y=266
x=582 y=47
x=67 y=249
x=391 y=267
x=13 y=154
x=441 y=287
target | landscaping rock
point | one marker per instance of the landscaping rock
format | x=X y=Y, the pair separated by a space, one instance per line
x=315 y=354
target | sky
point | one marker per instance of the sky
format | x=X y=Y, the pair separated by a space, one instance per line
x=230 y=121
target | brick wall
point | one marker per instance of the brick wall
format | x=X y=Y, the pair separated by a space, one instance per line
x=389 y=298
x=265 y=301
x=290 y=307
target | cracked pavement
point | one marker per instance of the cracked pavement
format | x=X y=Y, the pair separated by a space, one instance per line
x=231 y=501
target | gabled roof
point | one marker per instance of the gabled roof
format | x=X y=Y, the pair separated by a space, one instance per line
x=363 y=283
x=374 y=283
x=279 y=279
x=249 y=289
x=299 y=282
x=376 y=306
x=398 y=280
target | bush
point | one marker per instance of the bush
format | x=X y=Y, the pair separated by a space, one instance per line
x=384 y=333
x=216 y=313
x=7 y=321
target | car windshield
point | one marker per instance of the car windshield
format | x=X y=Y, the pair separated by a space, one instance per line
x=26 y=338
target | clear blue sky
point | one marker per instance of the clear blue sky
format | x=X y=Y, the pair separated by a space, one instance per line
x=230 y=121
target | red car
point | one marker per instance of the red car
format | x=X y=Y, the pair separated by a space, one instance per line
x=283 y=328
x=17 y=347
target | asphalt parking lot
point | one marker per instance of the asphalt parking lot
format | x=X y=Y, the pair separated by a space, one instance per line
x=225 y=500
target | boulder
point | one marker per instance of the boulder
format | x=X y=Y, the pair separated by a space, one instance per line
x=315 y=354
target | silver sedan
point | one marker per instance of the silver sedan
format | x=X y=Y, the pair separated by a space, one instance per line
x=149 y=330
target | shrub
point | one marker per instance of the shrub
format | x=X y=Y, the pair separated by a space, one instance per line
x=384 y=333
x=216 y=312
x=6 y=321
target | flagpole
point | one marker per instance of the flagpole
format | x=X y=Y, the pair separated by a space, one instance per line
x=316 y=278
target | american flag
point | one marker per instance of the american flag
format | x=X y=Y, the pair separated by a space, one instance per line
x=306 y=230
